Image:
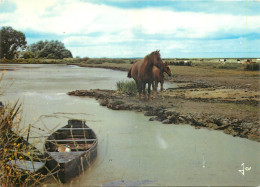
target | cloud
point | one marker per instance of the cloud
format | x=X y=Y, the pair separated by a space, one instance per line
x=77 y=17
x=7 y=6
x=106 y=29
x=235 y=7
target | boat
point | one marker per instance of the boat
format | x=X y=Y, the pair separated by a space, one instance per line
x=79 y=145
x=26 y=163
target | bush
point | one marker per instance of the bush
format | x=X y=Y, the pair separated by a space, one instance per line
x=85 y=59
x=50 y=49
x=94 y=61
x=128 y=87
x=227 y=66
x=181 y=63
x=28 y=54
x=118 y=61
x=252 y=67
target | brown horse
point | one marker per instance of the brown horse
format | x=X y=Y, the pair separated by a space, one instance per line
x=159 y=77
x=142 y=73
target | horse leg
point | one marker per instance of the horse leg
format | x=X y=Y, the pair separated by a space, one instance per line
x=149 y=91
x=154 y=87
x=139 y=85
x=162 y=88
x=144 y=89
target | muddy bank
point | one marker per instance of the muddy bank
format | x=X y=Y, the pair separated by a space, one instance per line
x=184 y=106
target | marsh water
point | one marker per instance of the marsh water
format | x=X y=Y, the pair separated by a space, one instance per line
x=132 y=151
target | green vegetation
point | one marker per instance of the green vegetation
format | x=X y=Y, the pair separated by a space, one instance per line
x=127 y=87
x=11 y=41
x=228 y=66
x=108 y=60
x=28 y=54
x=252 y=67
x=13 y=149
x=49 y=49
x=17 y=156
x=180 y=63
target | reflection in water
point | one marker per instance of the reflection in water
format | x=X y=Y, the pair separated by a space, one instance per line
x=132 y=151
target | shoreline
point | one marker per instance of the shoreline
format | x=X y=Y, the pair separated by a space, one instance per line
x=206 y=97
x=101 y=66
x=226 y=100
x=170 y=111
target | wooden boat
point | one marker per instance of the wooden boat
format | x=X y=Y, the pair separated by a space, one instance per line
x=35 y=165
x=82 y=143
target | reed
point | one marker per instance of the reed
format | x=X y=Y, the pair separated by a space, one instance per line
x=252 y=67
x=13 y=150
x=17 y=156
x=127 y=87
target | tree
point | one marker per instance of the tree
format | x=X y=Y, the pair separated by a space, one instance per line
x=11 y=41
x=50 y=49
x=28 y=54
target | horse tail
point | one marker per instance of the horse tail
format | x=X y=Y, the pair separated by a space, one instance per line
x=129 y=73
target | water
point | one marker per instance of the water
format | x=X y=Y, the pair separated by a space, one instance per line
x=132 y=151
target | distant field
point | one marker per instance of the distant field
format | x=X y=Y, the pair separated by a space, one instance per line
x=124 y=63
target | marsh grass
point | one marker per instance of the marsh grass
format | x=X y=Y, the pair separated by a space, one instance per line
x=233 y=66
x=127 y=87
x=14 y=150
x=252 y=67
x=18 y=158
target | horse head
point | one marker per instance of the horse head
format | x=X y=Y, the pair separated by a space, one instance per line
x=167 y=69
x=157 y=61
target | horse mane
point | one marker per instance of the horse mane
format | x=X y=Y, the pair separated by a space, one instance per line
x=149 y=58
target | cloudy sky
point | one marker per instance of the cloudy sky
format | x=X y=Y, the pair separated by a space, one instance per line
x=133 y=28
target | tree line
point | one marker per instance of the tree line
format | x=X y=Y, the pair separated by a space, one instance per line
x=13 y=44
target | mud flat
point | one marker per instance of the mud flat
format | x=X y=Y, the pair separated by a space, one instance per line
x=233 y=111
x=206 y=97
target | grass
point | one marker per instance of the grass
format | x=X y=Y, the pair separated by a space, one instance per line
x=14 y=149
x=228 y=66
x=252 y=67
x=127 y=87
x=231 y=63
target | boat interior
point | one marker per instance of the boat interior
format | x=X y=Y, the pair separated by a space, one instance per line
x=74 y=138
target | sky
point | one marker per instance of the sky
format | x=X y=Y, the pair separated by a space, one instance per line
x=134 y=28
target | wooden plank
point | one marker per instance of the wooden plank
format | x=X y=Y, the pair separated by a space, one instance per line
x=31 y=166
x=77 y=146
x=74 y=129
x=73 y=140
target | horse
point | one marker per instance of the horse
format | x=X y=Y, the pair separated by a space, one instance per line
x=141 y=71
x=159 y=77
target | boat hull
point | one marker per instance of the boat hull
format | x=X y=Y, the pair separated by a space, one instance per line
x=70 y=164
